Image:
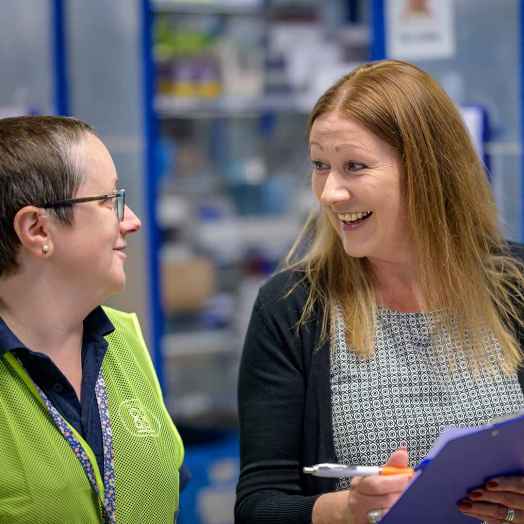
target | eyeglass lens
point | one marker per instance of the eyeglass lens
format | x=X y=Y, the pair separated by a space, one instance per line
x=120 y=203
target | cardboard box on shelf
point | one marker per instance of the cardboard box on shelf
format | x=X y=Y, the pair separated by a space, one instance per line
x=187 y=283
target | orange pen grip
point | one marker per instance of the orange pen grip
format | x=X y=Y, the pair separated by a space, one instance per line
x=391 y=470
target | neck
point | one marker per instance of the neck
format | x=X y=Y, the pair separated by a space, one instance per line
x=46 y=322
x=397 y=286
x=44 y=317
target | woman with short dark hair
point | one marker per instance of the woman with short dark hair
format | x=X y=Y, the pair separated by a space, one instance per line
x=85 y=434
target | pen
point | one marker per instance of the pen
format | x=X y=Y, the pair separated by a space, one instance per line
x=340 y=470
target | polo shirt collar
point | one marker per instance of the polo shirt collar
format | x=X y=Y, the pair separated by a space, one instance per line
x=96 y=326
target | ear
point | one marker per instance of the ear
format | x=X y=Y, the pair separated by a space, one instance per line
x=32 y=226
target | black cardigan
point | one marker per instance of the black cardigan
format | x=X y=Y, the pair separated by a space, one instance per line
x=285 y=408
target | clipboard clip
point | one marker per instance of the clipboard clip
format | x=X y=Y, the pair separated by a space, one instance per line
x=422 y=464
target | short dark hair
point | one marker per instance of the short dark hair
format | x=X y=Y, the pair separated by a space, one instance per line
x=36 y=166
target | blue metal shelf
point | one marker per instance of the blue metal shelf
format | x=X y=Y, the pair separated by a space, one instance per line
x=150 y=190
x=60 y=69
x=378 y=31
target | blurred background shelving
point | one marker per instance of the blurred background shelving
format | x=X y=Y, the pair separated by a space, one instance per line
x=234 y=83
x=204 y=105
x=232 y=94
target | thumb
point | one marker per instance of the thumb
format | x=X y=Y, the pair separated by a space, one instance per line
x=399 y=458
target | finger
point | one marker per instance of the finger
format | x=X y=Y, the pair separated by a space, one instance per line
x=486 y=511
x=514 y=484
x=503 y=498
x=381 y=485
x=399 y=458
x=368 y=503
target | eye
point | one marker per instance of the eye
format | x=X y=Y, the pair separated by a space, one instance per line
x=108 y=202
x=319 y=166
x=355 y=166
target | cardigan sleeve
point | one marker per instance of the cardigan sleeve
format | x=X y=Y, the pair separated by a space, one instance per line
x=271 y=391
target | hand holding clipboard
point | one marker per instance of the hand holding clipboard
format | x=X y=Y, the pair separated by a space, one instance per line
x=460 y=461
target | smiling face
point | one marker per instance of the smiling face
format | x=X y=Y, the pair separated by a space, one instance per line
x=91 y=251
x=357 y=179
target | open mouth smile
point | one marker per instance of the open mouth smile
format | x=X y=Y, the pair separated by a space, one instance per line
x=354 y=218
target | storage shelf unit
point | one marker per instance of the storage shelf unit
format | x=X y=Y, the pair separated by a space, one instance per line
x=206 y=8
x=195 y=107
x=230 y=105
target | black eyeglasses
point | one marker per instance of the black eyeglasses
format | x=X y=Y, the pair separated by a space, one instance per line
x=119 y=196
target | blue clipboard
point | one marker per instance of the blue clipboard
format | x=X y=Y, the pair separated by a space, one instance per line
x=460 y=460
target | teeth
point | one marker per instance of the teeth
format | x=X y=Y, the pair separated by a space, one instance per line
x=353 y=217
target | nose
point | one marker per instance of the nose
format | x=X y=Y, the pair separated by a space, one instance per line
x=131 y=223
x=335 y=190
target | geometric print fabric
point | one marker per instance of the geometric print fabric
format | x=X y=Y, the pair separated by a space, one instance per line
x=405 y=395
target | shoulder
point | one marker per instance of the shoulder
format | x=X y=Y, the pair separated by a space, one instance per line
x=127 y=346
x=119 y=317
x=125 y=324
x=516 y=250
x=280 y=307
x=117 y=313
x=285 y=289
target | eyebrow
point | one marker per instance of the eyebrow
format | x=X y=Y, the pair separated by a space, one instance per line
x=340 y=146
x=315 y=144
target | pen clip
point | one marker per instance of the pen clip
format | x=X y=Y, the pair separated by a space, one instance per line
x=327 y=470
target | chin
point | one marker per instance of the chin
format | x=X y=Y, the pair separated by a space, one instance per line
x=356 y=251
x=120 y=286
x=117 y=284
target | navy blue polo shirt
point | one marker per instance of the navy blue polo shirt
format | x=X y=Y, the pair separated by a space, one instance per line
x=81 y=414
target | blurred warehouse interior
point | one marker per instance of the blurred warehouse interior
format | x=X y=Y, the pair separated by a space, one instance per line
x=204 y=106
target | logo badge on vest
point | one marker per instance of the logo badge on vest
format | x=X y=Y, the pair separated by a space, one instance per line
x=138 y=420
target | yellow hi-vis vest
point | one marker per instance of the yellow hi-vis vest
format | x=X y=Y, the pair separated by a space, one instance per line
x=42 y=480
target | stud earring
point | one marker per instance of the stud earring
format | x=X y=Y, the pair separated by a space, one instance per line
x=45 y=249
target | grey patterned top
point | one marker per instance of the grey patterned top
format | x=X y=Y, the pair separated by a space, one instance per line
x=405 y=394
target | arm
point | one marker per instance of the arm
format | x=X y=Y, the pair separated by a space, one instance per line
x=491 y=501
x=271 y=404
x=272 y=386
